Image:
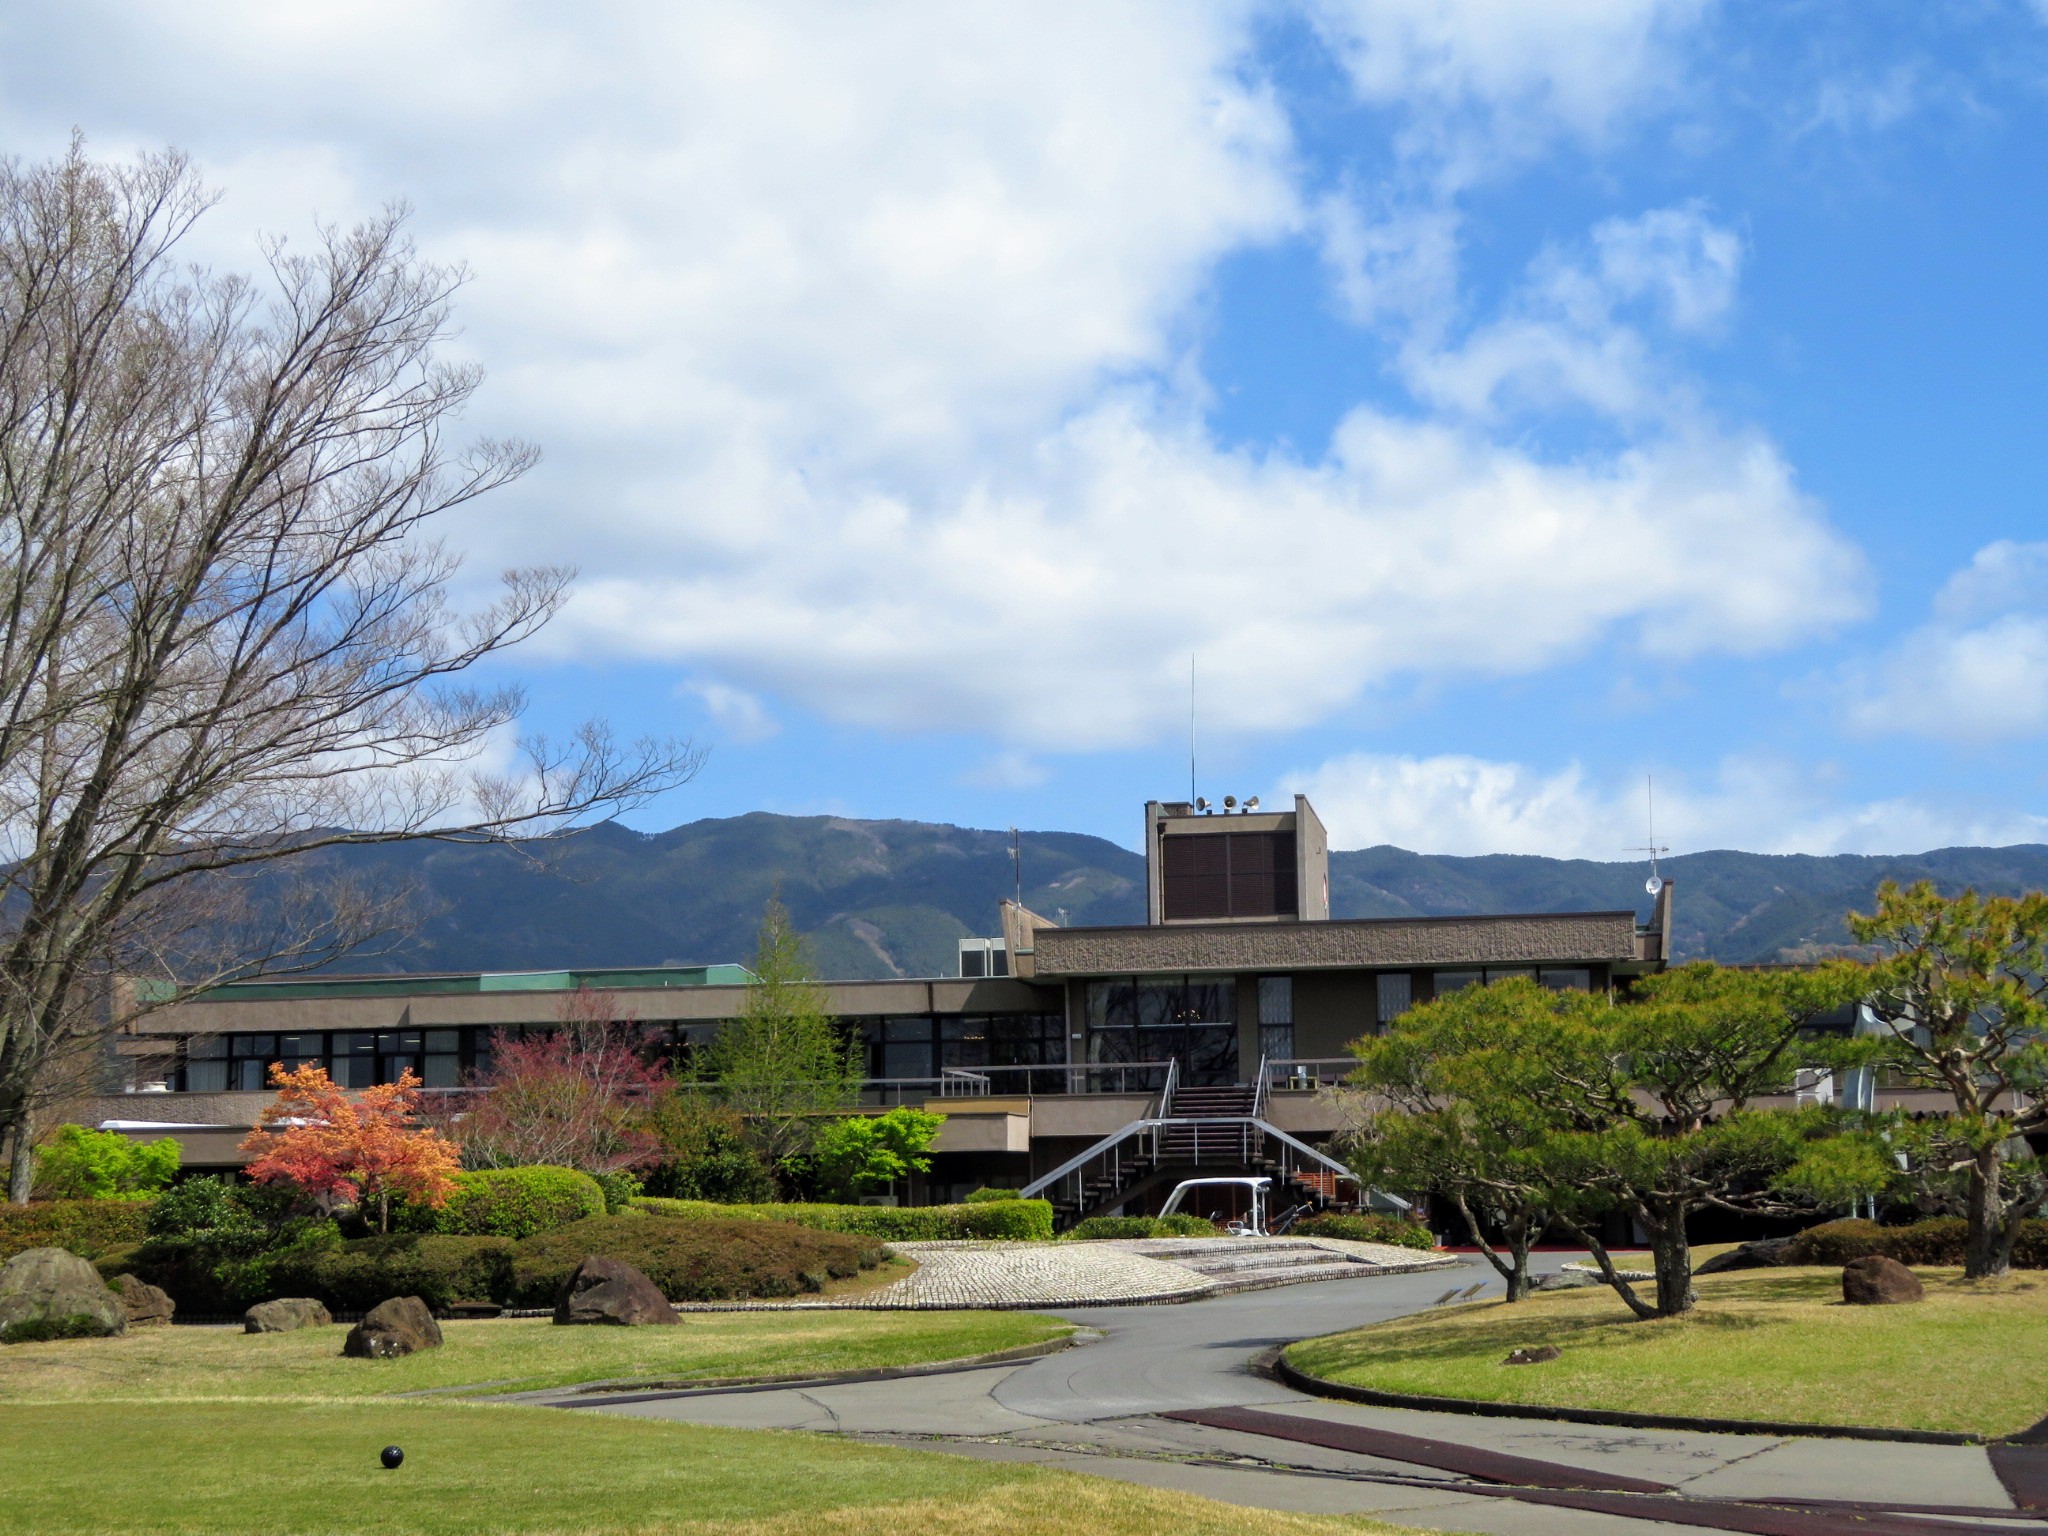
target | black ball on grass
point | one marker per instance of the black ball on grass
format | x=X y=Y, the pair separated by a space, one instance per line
x=391 y=1456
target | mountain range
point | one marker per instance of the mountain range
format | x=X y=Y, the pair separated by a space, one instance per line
x=892 y=898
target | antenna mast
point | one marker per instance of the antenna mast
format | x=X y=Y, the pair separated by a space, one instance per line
x=1017 y=864
x=1656 y=881
x=1191 y=727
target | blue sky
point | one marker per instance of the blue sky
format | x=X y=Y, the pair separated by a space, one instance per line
x=1502 y=402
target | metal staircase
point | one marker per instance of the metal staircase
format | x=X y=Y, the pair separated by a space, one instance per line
x=1193 y=1129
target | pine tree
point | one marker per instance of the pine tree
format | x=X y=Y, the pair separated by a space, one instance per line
x=785 y=1063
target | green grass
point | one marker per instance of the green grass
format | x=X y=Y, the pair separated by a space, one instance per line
x=506 y=1355
x=311 y=1469
x=1771 y=1344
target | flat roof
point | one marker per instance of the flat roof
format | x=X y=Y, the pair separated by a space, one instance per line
x=457 y=983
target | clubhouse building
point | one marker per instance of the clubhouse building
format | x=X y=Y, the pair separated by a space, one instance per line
x=1093 y=1065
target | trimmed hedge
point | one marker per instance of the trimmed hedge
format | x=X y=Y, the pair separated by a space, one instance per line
x=88 y=1228
x=1179 y=1224
x=1938 y=1242
x=1014 y=1220
x=1367 y=1227
x=516 y=1202
x=620 y=1190
x=693 y=1259
x=356 y=1276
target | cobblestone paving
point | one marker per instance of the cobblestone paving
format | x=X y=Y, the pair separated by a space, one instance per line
x=993 y=1275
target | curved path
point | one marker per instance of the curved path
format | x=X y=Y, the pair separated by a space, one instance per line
x=1098 y=1408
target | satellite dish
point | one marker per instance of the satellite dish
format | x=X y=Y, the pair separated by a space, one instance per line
x=1654 y=884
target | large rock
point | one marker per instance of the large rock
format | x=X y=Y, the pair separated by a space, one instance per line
x=1876 y=1281
x=395 y=1327
x=147 y=1306
x=1566 y=1280
x=1764 y=1253
x=285 y=1315
x=47 y=1293
x=608 y=1291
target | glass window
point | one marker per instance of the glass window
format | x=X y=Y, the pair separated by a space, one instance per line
x=1457 y=981
x=1276 y=999
x=1566 y=978
x=1159 y=1005
x=206 y=1047
x=899 y=1031
x=357 y=1044
x=1210 y=1002
x=295 y=1050
x=1504 y=972
x=1396 y=993
x=443 y=1071
x=444 y=1041
x=1112 y=1004
x=206 y=1077
x=907 y=1059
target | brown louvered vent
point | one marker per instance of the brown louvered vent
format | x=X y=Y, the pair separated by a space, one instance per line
x=1210 y=875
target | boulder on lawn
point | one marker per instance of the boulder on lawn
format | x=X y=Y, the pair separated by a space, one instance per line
x=47 y=1293
x=608 y=1291
x=147 y=1306
x=1566 y=1280
x=395 y=1327
x=1876 y=1281
x=285 y=1314
x=1764 y=1253
x=1535 y=1356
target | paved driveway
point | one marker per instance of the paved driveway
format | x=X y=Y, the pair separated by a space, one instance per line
x=1098 y=1409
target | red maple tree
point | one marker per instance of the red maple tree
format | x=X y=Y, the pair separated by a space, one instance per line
x=576 y=1096
x=365 y=1149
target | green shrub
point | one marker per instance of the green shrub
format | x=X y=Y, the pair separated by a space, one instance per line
x=695 y=1259
x=88 y=1228
x=1938 y=1242
x=513 y=1202
x=1179 y=1224
x=1367 y=1227
x=620 y=1190
x=987 y=1196
x=356 y=1276
x=1014 y=1220
x=79 y=1163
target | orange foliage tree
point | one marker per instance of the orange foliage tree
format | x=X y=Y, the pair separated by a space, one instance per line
x=366 y=1149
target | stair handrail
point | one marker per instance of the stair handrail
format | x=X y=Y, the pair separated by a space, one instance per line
x=1259 y=1089
x=1166 y=1091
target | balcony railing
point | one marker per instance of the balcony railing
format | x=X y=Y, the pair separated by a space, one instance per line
x=1304 y=1074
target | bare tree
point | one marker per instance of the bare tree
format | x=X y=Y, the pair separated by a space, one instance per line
x=227 y=635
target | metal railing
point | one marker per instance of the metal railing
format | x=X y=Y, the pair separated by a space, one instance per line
x=1301 y=1074
x=1139 y=1147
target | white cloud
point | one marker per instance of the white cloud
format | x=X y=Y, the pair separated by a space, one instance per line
x=1007 y=770
x=856 y=337
x=2001 y=576
x=1978 y=671
x=738 y=714
x=1058 y=609
x=1570 y=336
x=1469 y=805
x=1514 y=73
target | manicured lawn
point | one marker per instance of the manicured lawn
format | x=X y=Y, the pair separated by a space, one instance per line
x=238 y=1467
x=502 y=1356
x=1769 y=1344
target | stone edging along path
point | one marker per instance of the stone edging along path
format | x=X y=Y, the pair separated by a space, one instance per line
x=605 y=1394
x=1319 y=1386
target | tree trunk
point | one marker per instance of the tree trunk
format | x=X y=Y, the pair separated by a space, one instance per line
x=1987 y=1249
x=21 y=1162
x=1601 y=1257
x=1672 y=1256
x=1515 y=1268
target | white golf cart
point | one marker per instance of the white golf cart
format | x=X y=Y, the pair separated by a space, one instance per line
x=1253 y=1224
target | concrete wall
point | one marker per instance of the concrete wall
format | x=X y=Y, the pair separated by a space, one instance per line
x=850 y=999
x=1561 y=938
